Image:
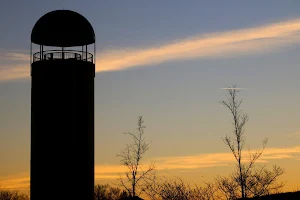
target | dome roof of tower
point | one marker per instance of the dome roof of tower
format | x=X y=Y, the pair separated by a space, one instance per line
x=63 y=28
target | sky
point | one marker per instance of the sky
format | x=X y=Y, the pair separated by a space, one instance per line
x=168 y=62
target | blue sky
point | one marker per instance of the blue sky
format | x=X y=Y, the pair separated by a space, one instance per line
x=177 y=91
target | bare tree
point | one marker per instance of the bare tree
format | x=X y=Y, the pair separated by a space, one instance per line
x=262 y=181
x=107 y=192
x=131 y=158
x=152 y=186
x=207 y=192
x=175 y=189
x=163 y=188
x=252 y=182
x=228 y=187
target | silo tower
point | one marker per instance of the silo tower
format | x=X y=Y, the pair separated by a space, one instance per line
x=62 y=107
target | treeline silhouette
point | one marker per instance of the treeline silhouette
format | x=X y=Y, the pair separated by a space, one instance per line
x=6 y=194
x=171 y=189
x=101 y=192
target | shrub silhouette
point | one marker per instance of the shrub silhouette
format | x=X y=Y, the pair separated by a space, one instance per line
x=107 y=192
x=6 y=194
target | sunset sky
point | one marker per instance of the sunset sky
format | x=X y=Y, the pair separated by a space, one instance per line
x=168 y=62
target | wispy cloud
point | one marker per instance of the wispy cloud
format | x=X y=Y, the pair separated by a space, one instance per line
x=15 y=56
x=244 y=41
x=221 y=159
x=113 y=171
x=255 y=40
x=14 y=72
x=18 y=181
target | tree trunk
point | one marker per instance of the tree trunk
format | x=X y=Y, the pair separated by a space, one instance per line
x=133 y=190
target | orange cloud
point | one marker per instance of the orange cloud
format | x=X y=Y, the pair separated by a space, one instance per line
x=18 y=181
x=221 y=159
x=17 y=71
x=113 y=171
x=231 y=43
x=108 y=171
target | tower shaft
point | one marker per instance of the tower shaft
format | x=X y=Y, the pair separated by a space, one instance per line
x=62 y=130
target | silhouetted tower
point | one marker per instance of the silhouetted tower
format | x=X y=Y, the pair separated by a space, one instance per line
x=62 y=108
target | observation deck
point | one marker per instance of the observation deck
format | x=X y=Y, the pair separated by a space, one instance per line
x=62 y=55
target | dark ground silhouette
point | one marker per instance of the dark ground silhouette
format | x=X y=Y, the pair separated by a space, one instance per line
x=280 y=196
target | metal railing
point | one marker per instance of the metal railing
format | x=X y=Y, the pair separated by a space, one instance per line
x=63 y=55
